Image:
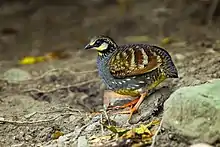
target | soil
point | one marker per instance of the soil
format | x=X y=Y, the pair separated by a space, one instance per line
x=62 y=93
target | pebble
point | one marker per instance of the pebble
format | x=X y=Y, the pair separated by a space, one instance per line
x=16 y=75
x=82 y=142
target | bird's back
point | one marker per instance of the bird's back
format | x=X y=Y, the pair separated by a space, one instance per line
x=135 y=67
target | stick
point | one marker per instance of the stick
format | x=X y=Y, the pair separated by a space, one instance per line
x=24 y=123
x=156 y=133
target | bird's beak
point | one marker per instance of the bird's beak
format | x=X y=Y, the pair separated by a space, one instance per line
x=88 y=46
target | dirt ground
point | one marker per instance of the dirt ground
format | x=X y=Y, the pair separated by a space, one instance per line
x=62 y=93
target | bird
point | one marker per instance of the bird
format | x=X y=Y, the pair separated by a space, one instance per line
x=131 y=69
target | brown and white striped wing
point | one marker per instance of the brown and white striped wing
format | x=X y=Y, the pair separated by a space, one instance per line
x=133 y=60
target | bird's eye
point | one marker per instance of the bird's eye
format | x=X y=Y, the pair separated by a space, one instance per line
x=98 y=42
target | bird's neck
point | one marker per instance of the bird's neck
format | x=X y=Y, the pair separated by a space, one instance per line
x=108 y=51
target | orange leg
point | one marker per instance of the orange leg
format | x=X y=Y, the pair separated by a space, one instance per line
x=129 y=104
x=108 y=95
x=135 y=108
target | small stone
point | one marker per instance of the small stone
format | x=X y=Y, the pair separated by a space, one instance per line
x=201 y=145
x=61 y=141
x=179 y=56
x=16 y=75
x=28 y=137
x=194 y=112
x=92 y=127
x=72 y=118
x=18 y=145
x=82 y=142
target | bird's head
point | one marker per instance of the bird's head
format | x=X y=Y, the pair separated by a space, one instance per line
x=103 y=44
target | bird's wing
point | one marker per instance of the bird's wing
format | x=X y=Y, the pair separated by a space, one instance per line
x=131 y=60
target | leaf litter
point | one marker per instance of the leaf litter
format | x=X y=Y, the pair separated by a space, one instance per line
x=137 y=136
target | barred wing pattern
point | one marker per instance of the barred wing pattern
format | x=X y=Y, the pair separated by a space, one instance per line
x=132 y=60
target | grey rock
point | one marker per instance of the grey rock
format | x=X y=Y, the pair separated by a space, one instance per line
x=92 y=127
x=15 y=75
x=201 y=145
x=82 y=142
x=194 y=112
x=148 y=109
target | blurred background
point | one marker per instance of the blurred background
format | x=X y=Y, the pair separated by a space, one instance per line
x=33 y=27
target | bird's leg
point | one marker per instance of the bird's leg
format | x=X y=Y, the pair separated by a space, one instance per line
x=135 y=108
x=109 y=95
x=129 y=104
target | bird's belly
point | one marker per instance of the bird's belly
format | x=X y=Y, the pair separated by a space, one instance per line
x=135 y=85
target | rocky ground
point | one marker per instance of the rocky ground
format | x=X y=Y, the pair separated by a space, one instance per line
x=51 y=103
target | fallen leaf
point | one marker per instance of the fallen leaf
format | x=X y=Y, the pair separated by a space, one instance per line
x=48 y=56
x=57 y=134
x=28 y=60
x=166 y=40
x=142 y=129
x=95 y=139
x=116 y=130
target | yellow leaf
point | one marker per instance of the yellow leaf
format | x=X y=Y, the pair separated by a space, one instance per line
x=140 y=130
x=57 y=134
x=155 y=122
x=146 y=138
x=166 y=40
x=116 y=130
x=59 y=54
x=129 y=134
x=28 y=60
x=40 y=58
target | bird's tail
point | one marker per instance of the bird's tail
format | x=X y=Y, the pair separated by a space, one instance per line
x=167 y=66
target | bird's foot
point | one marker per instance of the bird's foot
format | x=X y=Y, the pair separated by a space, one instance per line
x=135 y=108
x=130 y=112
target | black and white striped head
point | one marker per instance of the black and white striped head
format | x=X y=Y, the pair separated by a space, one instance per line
x=103 y=45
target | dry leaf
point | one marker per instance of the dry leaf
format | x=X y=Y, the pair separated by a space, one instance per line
x=166 y=40
x=57 y=134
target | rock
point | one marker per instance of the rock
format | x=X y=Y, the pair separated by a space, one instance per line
x=152 y=105
x=194 y=112
x=19 y=145
x=61 y=141
x=201 y=145
x=179 y=56
x=92 y=127
x=82 y=142
x=148 y=108
x=16 y=75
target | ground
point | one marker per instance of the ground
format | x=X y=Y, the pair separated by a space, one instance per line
x=62 y=93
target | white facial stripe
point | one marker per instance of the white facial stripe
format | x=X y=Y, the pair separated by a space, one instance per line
x=102 y=47
x=92 y=42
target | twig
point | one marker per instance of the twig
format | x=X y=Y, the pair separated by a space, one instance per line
x=28 y=116
x=101 y=124
x=63 y=87
x=80 y=130
x=24 y=123
x=156 y=133
x=106 y=115
x=73 y=110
